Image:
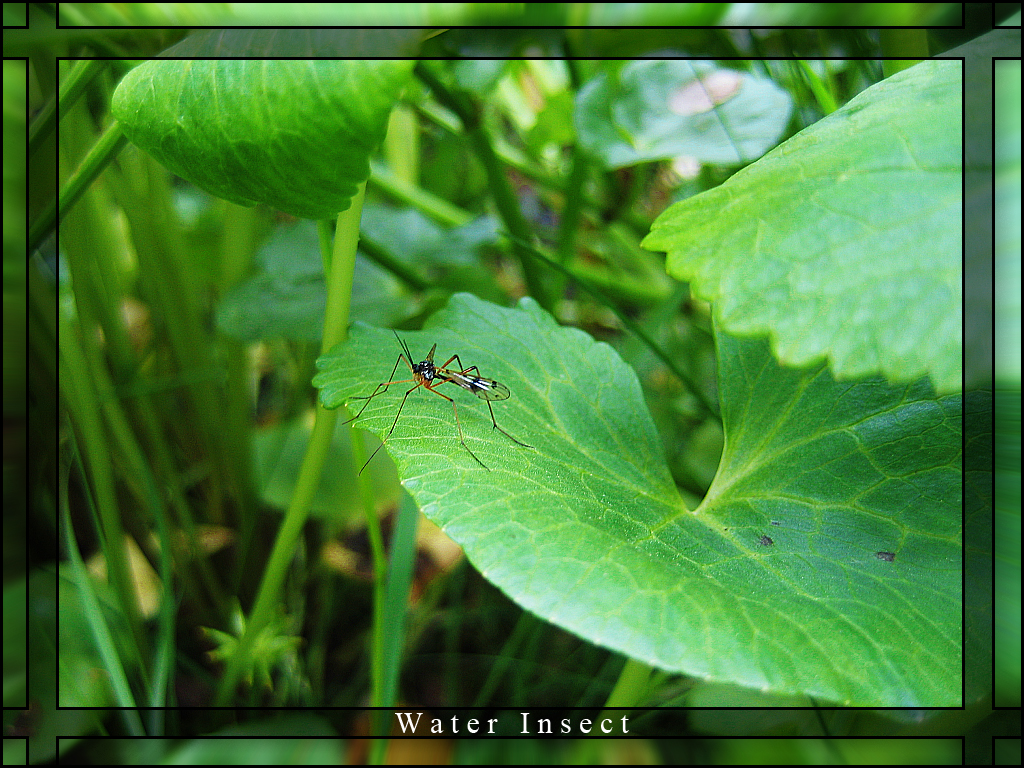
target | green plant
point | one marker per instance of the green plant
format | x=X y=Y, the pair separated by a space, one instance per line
x=823 y=561
x=832 y=531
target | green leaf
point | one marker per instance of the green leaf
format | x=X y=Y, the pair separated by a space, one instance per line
x=844 y=243
x=850 y=471
x=523 y=349
x=654 y=110
x=446 y=257
x=295 y=135
x=286 y=296
x=587 y=530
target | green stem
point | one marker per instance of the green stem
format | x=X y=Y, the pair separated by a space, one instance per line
x=438 y=209
x=387 y=260
x=102 y=636
x=109 y=144
x=402 y=144
x=504 y=197
x=85 y=409
x=573 y=208
x=336 y=318
x=380 y=572
x=392 y=623
x=631 y=686
x=826 y=101
x=71 y=89
x=399 y=579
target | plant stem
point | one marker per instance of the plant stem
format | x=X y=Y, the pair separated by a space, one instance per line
x=109 y=144
x=336 y=316
x=504 y=198
x=631 y=686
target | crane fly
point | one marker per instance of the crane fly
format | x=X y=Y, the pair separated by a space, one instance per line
x=428 y=375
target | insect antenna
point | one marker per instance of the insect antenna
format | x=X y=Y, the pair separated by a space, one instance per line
x=404 y=347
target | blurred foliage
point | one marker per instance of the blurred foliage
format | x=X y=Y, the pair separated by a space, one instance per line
x=461 y=623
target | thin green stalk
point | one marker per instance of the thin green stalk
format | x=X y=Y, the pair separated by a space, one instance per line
x=382 y=256
x=399 y=579
x=506 y=656
x=339 y=279
x=504 y=197
x=336 y=318
x=163 y=666
x=73 y=86
x=396 y=601
x=402 y=144
x=511 y=214
x=240 y=234
x=84 y=410
x=102 y=152
x=826 y=101
x=438 y=209
x=572 y=210
x=42 y=324
x=378 y=559
x=572 y=193
x=454 y=594
x=94 y=617
x=631 y=687
x=380 y=567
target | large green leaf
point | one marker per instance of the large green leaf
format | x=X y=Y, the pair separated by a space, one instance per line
x=843 y=243
x=858 y=486
x=779 y=581
x=295 y=135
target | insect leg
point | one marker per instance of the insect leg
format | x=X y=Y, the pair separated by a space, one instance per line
x=382 y=387
x=465 y=371
x=393 y=424
x=462 y=370
x=506 y=434
x=457 y=423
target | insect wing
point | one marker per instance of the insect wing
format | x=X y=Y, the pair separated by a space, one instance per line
x=485 y=389
x=494 y=390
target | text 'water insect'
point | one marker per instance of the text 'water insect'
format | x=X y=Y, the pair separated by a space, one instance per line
x=430 y=376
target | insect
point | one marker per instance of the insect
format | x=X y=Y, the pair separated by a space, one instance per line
x=428 y=375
